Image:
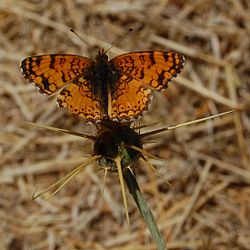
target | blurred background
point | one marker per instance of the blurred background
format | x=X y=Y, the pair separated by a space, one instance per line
x=206 y=203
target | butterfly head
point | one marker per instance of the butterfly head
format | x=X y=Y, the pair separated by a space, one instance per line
x=101 y=55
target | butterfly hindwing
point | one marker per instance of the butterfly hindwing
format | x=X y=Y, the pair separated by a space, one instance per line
x=79 y=99
x=129 y=100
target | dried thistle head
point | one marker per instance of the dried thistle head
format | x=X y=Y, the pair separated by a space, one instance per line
x=116 y=147
x=116 y=140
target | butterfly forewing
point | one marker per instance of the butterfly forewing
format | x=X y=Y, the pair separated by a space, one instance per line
x=52 y=72
x=154 y=68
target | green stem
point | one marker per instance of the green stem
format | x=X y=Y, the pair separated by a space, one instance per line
x=134 y=189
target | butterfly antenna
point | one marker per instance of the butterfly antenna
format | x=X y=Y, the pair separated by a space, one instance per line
x=120 y=39
x=83 y=40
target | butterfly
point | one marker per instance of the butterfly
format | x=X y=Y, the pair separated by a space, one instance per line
x=119 y=89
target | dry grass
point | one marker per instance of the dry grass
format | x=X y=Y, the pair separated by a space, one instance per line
x=207 y=205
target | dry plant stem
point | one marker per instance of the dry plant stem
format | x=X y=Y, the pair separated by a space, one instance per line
x=231 y=84
x=208 y=93
x=193 y=199
x=237 y=171
x=46 y=22
x=24 y=141
x=92 y=138
x=56 y=187
x=241 y=140
x=19 y=101
x=121 y=179
x=145 y=153
x=144 y=209
x=185 y=124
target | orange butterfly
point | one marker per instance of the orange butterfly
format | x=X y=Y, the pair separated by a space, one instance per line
x=119 y=89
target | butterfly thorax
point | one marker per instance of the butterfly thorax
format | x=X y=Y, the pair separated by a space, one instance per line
x=102 y=75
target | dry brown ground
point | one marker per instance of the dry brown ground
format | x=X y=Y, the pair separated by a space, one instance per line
x=207 y=205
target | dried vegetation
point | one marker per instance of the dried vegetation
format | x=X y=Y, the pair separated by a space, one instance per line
x=207 y=204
